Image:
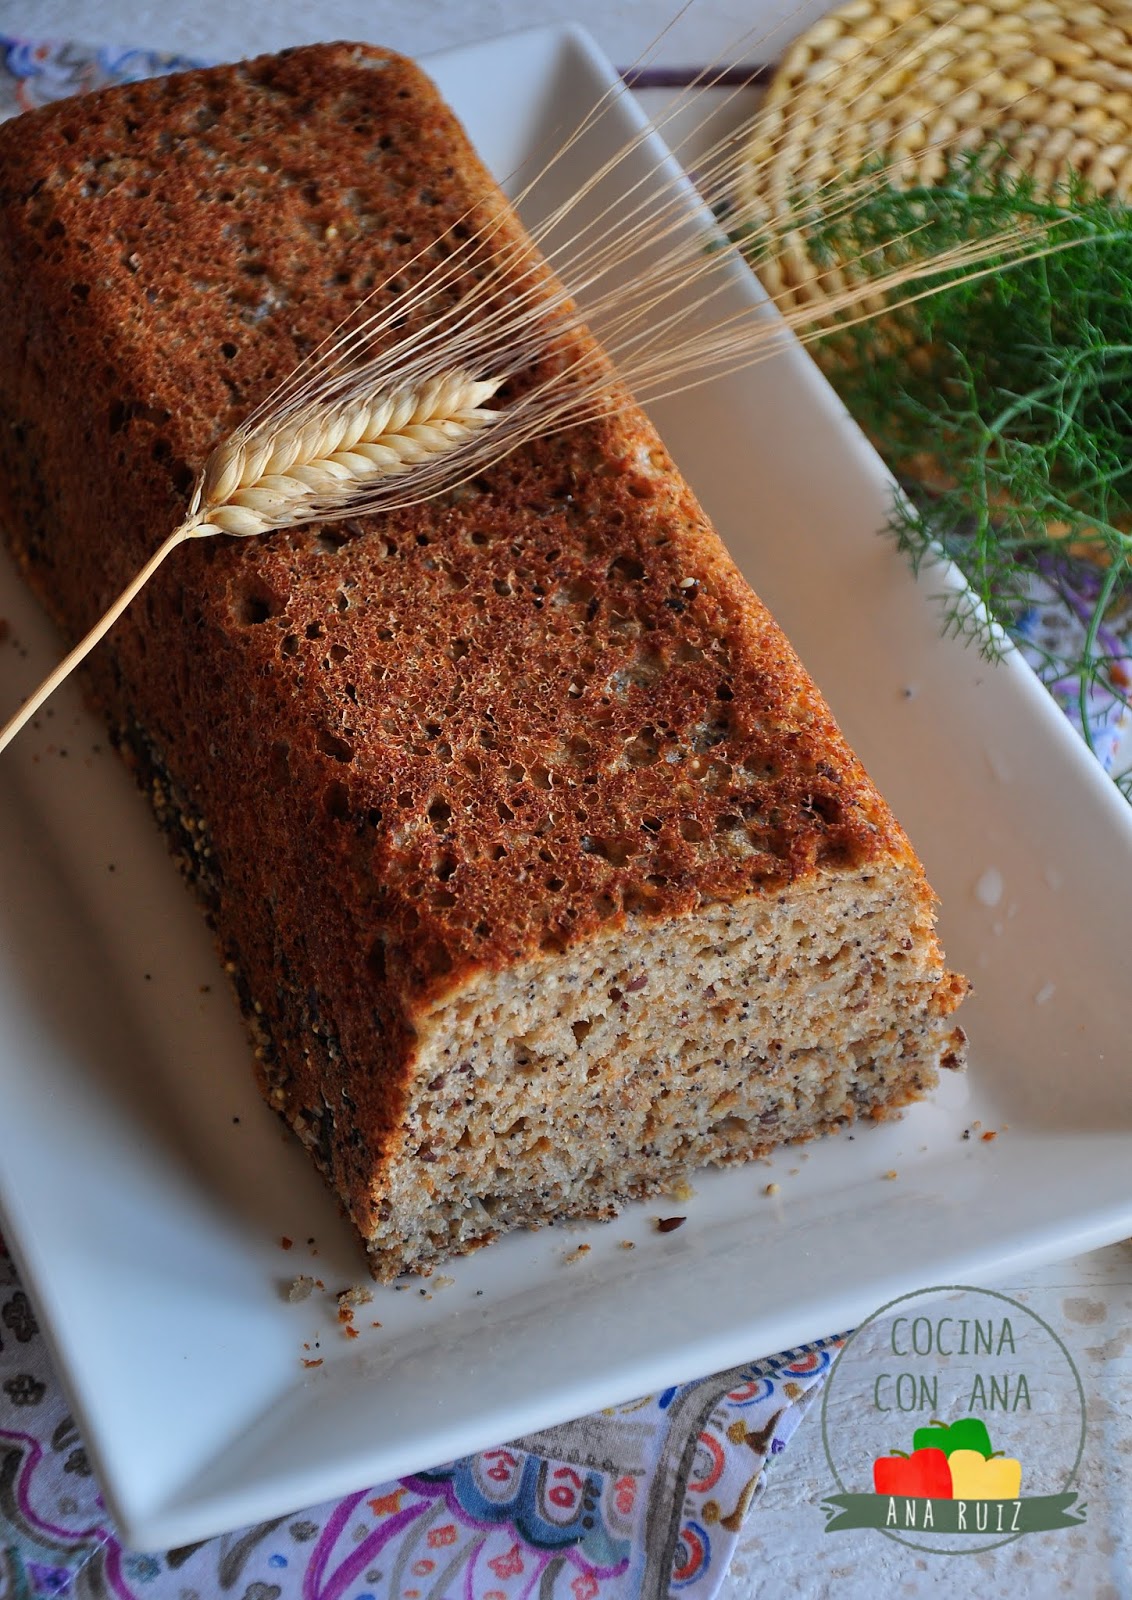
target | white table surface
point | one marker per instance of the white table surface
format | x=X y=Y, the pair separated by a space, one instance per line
x=784 y=1551
x=784 y=1554
x=623 y=28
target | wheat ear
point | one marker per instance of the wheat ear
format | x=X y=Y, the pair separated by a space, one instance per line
x=316 y=462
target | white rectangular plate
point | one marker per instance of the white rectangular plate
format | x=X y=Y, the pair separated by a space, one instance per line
x=146 y=1190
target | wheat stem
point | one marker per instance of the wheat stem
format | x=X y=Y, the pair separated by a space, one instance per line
x=63 y=671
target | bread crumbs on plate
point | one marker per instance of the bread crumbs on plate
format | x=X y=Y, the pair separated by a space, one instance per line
x=772 y=1188
x=576 y=1255
x=669 y=1224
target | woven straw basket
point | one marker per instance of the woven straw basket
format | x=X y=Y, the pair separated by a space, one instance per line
x=907 y=85
x=910 y=84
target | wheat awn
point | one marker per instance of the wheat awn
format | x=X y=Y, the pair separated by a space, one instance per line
x=375 y=420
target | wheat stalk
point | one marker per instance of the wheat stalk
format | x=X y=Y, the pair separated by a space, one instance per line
x=374 y=419
x=316 y=462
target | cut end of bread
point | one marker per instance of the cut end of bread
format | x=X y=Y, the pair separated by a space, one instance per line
x=569 y=1085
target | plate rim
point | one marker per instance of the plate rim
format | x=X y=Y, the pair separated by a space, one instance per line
x=180 y=1519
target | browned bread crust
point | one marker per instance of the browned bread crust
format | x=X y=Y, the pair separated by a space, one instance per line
x=408 y=752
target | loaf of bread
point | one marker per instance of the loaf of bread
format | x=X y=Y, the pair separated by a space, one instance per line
x=542 y=869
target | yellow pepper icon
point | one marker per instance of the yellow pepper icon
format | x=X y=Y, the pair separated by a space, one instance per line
x=975 y=1477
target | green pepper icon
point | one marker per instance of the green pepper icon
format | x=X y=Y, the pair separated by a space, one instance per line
x=969 y=1433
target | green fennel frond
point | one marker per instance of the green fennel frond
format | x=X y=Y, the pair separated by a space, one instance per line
x=1002 y=404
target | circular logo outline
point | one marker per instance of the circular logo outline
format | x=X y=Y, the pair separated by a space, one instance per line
x=937 y=1291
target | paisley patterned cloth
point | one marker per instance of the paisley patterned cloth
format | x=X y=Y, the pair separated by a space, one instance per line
x=1051 y=627
x=644 y=1500
x=35 y=71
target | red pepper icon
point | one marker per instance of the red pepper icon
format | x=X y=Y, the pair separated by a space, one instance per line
x=925 y=1473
